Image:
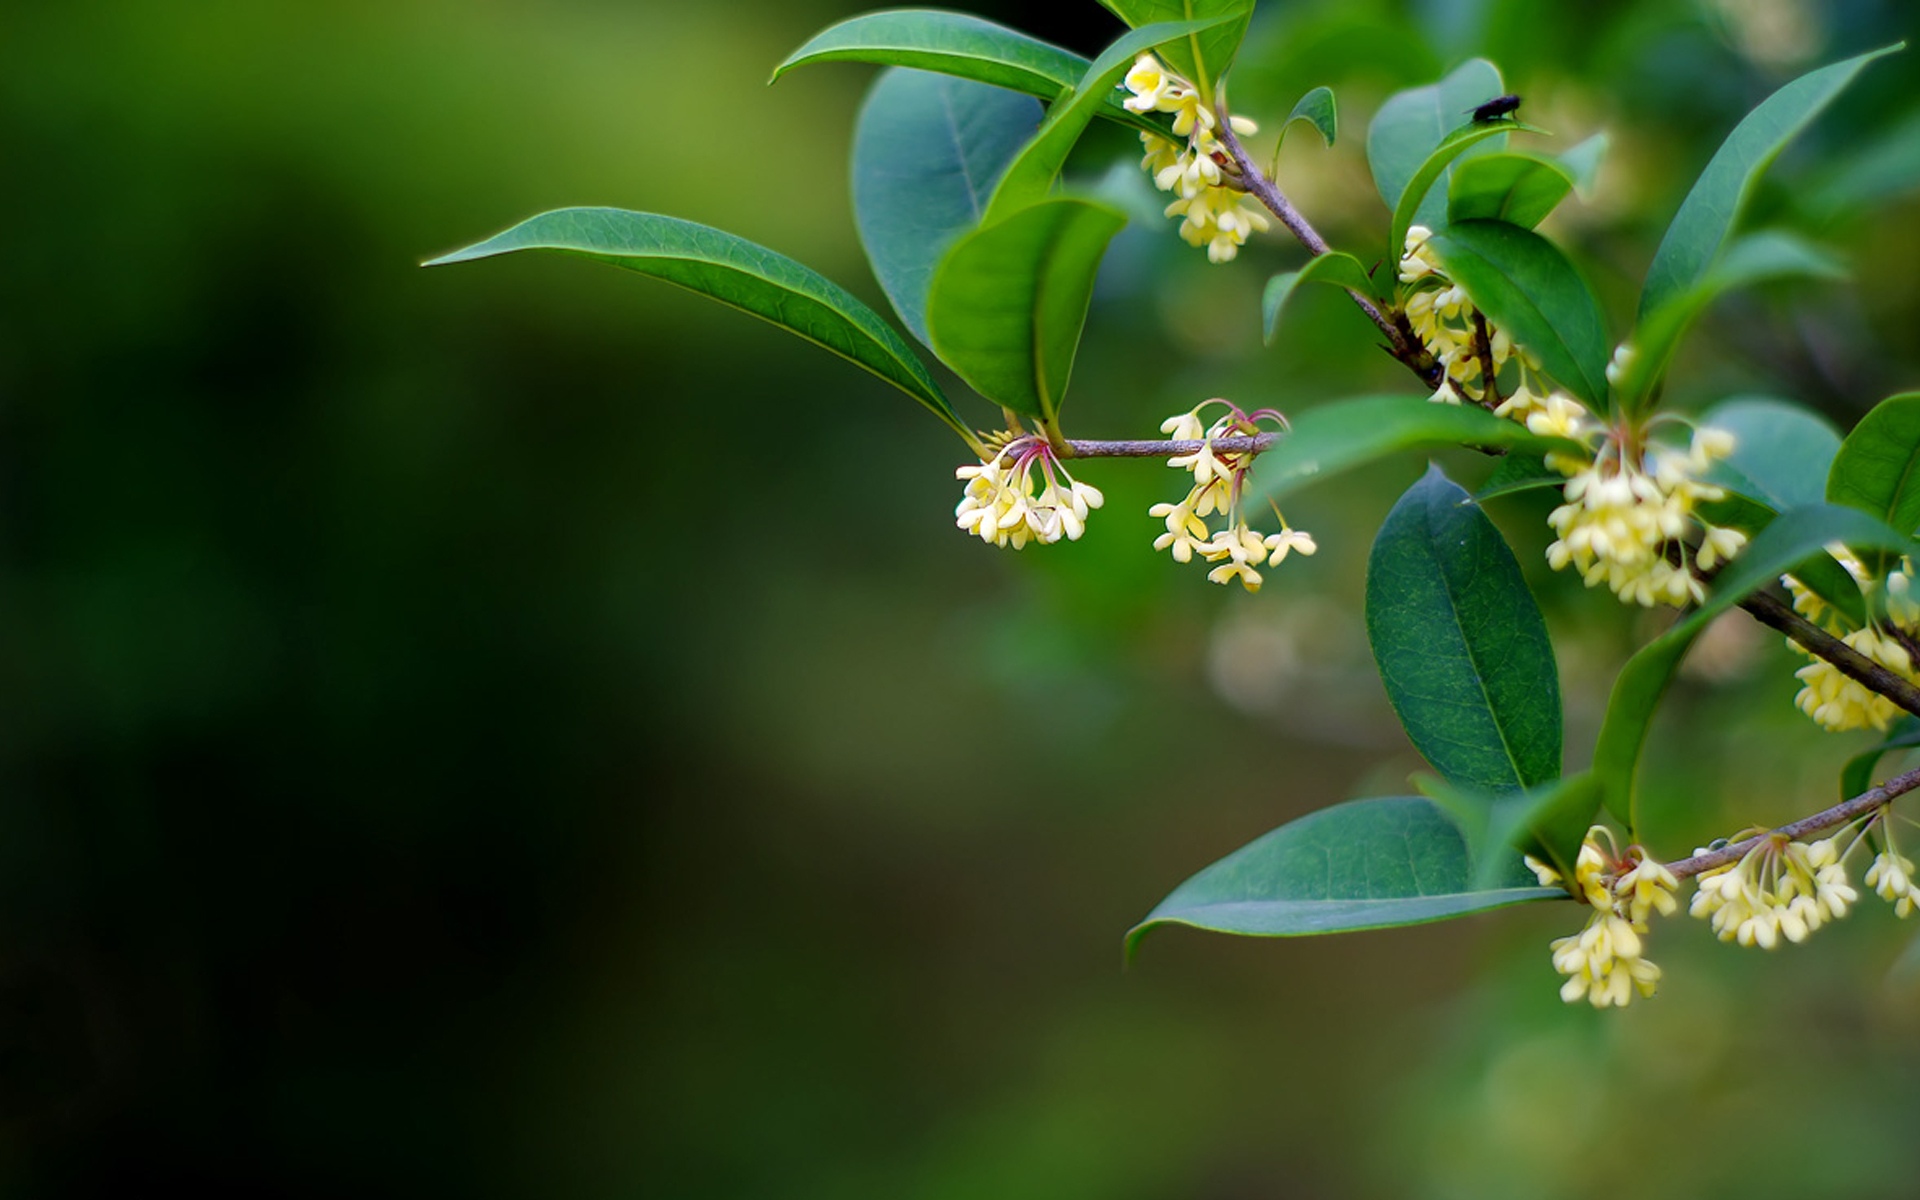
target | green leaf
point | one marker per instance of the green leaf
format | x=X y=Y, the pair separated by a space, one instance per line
x=1412 y=123
x=1792 y=539
x=1878 y=467
x=1438 y=163
x=1009 y=300
x=1519 y=472
x=1460 y=643
x=1549 y=822
x=1527 y=287
x=927 y=151
x=1710 y=210
x=1334 y=267
x=1316 y=108
x=735 y=272
x=1822 y=573
x=1857 y=775
x=1202 y=57
x=957 y=44
x=1366 y=864
x=1031 y=175
x=1349 y=433
x=1755 y=258
x=1583 y=163
x=1782 y=451
x=1520 y=189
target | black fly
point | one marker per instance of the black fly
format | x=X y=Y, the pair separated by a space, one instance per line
x=1495 y=109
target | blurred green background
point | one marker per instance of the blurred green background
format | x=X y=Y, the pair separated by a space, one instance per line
x=518 y=730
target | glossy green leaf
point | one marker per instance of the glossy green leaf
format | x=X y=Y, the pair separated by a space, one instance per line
x=1583 y=163
x=1349 y=433
x=1526 y=286
x=1857 y=775
x=1519 y=471
x=1412 y=123
x=1822 y=574
x=1009 y=300
x=1791 y=539
x=1440 y=162
x=1032 y=173
x=1756 y=258
x=1520 y=189
x=1460 y=643
x=927 y=152
x=1548 y=821
x=1877 y=469
x=1202 y=57
x=1340 y=270
x=1317 y=109
x=735 y=272
x=1366 y=864
x=1782 y=451
x=957 y=44
x=1708 y=214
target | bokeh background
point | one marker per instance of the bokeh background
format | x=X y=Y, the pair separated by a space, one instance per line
x=519 y=730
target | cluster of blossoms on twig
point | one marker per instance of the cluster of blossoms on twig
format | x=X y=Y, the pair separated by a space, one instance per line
x=1780 y=889
x=1605 y=963
x=1219 y=487
x=1002 y=508
x=1461 y=339
x=1835 y=701
x=1213 y=215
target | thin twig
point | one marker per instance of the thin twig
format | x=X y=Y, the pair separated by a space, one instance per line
x=1489 y=377
x=1165 y=449
x=1832 y=818
x=1821 y=644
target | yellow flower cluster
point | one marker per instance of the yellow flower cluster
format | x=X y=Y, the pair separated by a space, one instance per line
x=1605 y=963
x=1837 y=702
x=1219 y=481
x=1001 y=507
x=1891 y=876
x=1627 y=508
x=1445 y=321
x=1779 y=889
x=1212 y=215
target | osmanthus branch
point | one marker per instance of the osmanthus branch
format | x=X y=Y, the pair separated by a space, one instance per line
x=1847 y=810
x=1845 y=659
x=1401 y=343
x=1165 y=449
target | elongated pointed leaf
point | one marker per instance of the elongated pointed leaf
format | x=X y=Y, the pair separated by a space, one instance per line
x=1411 y=123
x=1366 y=864
x=1708 y=214
x=1333 y=267
x=1793 y=538
x=1202 y=57
x=1857 y=775
x=927 y=152
x=1877 y=469
x=1756 y=258
x=1317 y=109
x=1439 y=162
x=965 y=46
x=1520 y=189
x=1822 y=574
x=1348 y=433
x=1548 y=821
x=1032 y=173
x=1527 y=287
x=1782 y=451
x=1519 y=471
x=1009 y=300
x=1460 y=643
x=735 y=272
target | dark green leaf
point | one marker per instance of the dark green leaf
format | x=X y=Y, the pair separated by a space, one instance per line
x=1316 y=108
x=1460 y=643
x=1527 y=287
x=735 y=272
x=1200 y=57
x=1333 y=267
x=954 y=43
x=1348 y=433
x=1857 y=775
x=1519 y=472
x=1031 y=175
x=1822 y=573
x=1878 y=467
x=1009 y=300
x=1755 y=258
x=927 y=151
x=1520 y=189
x=1411 y=123
x=1439 y=162
x=1710 y=210
x=1793 y=538
x=1366 y=864
x=1549 y=822
x=1782 y=451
